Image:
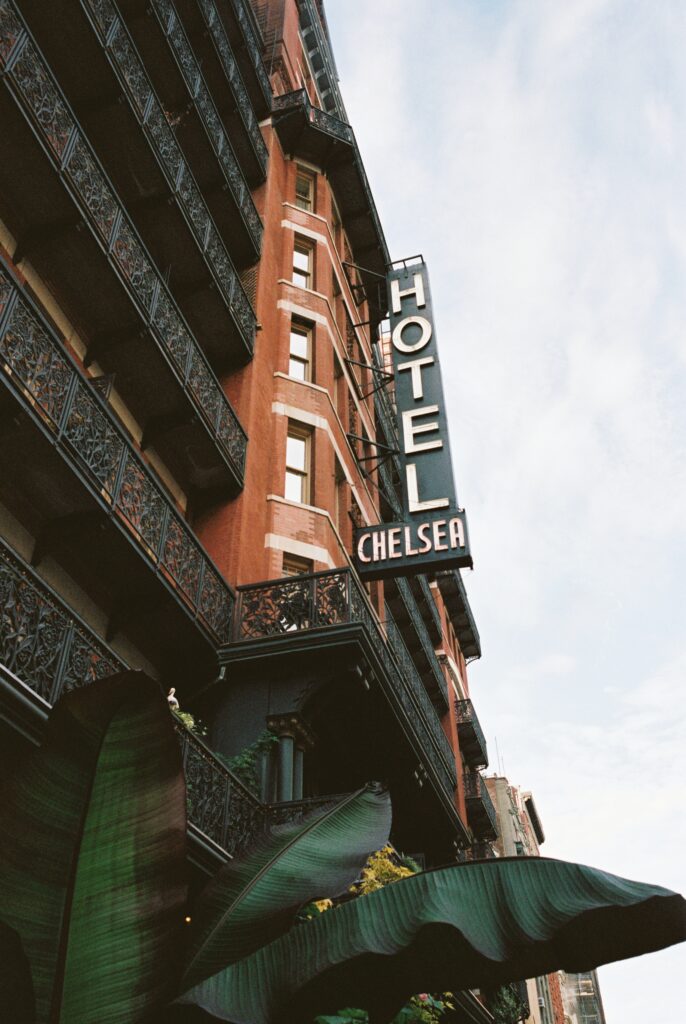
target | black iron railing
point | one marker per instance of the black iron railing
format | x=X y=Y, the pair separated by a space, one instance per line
x=421 y=631
x=35 y=366
x=189 y=68
x=319 y=52
x=246 y=19
x=220 y=39
x=299 y=603
x=475 y=788
x=315 y=115
x=149 y=112
x=39 y=98
x=42 y=642
x=219 y=804
x=468 y=725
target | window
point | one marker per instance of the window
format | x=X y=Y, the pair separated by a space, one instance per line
x=300 y=352
x=303 y=253
x=295 y=566
x=298 y=445
x=304 y=190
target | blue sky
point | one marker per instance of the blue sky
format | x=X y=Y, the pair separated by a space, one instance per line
x=534 y=153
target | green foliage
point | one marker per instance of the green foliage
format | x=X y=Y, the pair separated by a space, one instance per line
x=251 y=901
x=92 y=854
x=192 y=723
x=246 y=764
x=506 y=1006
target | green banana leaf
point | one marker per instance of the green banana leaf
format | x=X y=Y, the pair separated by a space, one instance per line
x=92 y=854
x=252 y=901
x=480 y=924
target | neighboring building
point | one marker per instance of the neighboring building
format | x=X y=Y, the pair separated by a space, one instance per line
x=520 y=834
x=581 y=998
x=196 y=412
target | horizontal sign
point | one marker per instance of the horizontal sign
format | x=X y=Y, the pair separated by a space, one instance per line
x=433 y=534
x=403 y=549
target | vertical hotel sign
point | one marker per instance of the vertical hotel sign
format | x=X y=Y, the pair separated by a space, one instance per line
x=433 y=534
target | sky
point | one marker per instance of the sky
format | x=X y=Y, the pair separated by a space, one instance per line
x=534 y=153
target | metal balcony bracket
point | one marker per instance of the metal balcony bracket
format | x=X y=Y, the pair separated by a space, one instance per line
x=65 y=528
x=157 y=427
x=384 y=448
x=386 y=377
x=108 y=340
x=35 y=238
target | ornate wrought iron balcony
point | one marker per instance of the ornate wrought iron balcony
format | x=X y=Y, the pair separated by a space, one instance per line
x=127 y=280
x=180 y=185
x=227 y=59
x=49 y=648
x=321 y=57
x=405 y=611
x=329 y=143
x=455 y=597
x=481 y=813
x=470 y=735
x=325 y=600
x=199 y=96
x=42 y=642
x=36 y=369
x=247 y=42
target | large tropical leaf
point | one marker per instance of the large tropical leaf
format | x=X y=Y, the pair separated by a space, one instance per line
x=470 y=925
x=250 y=902
x=92 y=848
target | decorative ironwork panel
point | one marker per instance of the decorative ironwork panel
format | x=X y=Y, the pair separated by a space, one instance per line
x=43 y=98
x=181 y=557
x=222 y=264
x=172 y=331
x=475 y=788
x=208 y=113
x=131 y=68
x=134 y=263
x=10 y=29
x=331 y=599
x=231 y=435
x=32 y=630
x=228 y=61
x=216 y=605
x=204 y=388
x=94 y=437
x=194 y=205
x=87 y=660
x=205 y=792
x=41 y=641
x=218 y=804
x=93 y=189
x=27 y=349
x=282 y=607
x=104 y=13
x=164 y=140
x=141 y=503
x=421 y=631
x=253 y=47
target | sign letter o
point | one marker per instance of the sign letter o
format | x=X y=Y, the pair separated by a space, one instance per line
x=424 y=339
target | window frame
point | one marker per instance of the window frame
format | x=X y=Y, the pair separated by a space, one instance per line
x=308 y=202
x=299 y=432
x=303 y=330
x=296 y=565
x=303 y=246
